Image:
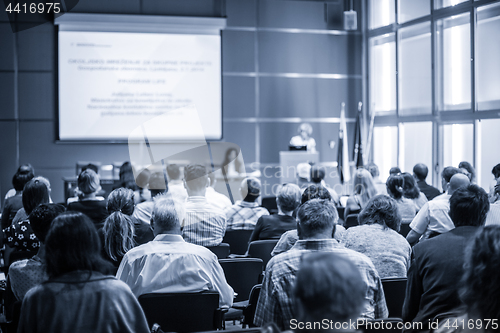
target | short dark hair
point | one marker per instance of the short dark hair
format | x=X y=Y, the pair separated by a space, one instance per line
x=72 y=244
x=394 y=171
x=469 y=206
x=480 y=289
x=395 y=185
x=174 y=172
x=41 y=218
x=496 y=170
x=195 y=176
x=23 y=175
x=449 y=172
x=420 y=170
x=36 y=192
x=315 y=191
x=328 y=286
x=383 y=210
x=252 y=189
x=316 y=216
x=317 y=174
x=288 y=197
x=121 y=200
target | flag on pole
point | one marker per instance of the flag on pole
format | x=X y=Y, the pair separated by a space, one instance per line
x=357 y=155
x=343 y=152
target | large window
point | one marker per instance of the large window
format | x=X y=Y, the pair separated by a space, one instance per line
x=415 y=140
x=382 y=13
x=383 y=73
x=385 y=149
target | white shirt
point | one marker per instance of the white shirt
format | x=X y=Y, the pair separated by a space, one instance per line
x=217 y=199
x=168 y=264
x=433 y=216
x=493 y=216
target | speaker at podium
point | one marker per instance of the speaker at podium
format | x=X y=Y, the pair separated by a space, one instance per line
x=289 y=161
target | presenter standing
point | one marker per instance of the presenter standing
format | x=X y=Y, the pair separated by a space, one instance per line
x=304 y=138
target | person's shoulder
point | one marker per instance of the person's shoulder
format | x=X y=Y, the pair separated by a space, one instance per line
x=18 y=266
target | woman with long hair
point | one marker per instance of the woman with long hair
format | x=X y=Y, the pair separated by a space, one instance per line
x=395 y=188
x=412 y=192
x=363 y=190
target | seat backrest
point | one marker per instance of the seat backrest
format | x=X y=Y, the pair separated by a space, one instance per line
x=351 y=220
x=182 y=312
x=262 y=249
x=242 y=274
x=394 y=290
x=249 y=311
x=221 y=251
x=237 y=240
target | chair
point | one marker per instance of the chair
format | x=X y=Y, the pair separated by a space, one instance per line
x=237 y=240
x=394 y=290
x=221 y=251
x=183 y=312
x=262 y=249
x=270 y=204
x=387 y=325
x=351 y=221
x=249 y=310
x=405 y=229
x=242 y=274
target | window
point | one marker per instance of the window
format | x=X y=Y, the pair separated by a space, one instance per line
x=383 y=73
x=458 y=140
x=488 y=152
x=415 y=142
x=385 y=149
x=381 y=13
x=412 y=9
x=446 y=3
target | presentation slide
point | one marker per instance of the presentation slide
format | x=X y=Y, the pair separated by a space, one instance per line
x=111 y=83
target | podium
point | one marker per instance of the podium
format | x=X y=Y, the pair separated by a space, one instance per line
x=289 y=161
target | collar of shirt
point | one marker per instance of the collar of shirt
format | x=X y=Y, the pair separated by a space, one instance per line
x=169 y=238
x=316 y=244
x=197 y=199
x=247 y=204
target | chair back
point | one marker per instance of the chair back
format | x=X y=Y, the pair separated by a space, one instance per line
x=237 y=240
x=182 y=312
x=249 y=311
x=262 y=249
x=351 y=220
x=394 y=290
x=270 y=204
x=242 y=274
x=221 y=251
x=405 y=229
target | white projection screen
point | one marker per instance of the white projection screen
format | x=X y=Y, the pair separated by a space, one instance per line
x=117 y=72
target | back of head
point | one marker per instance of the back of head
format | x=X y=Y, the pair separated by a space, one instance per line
x=328 y=286
x=420 y=170
x=72 y=244
x=23 y=175
x=250 y=189
x=317 y=174
x=317 y=216
x=382 y=210
x=288 y=197
x=469 y=206
x=410 y=189
x=174 y=172
x=166 y=214
x=395 y=185
x=36 y=192
x=457 y=180
x=448 y=172
x=41 y=218
x=363 y=185
x=373 y=169
x=195 y=176
x=121 y=200
x=394 y=171
x=127 y=178
x=496 y=171
x=316 y=192
x=480 y=288
x=156 y=183
x=468 y=169
x=88 y=181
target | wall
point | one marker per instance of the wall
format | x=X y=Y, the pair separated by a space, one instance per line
x=282 y=61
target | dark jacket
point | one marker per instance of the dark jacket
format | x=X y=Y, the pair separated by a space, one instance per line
x=429 y=191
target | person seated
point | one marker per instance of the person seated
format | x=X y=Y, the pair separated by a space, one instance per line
x=233 y=165
x=363 y=191
x=128 y=180
x=79 y=296
x=468 y=170
x=203 y=223
x=243 y=215
x=438 y=263
x=304 y=138
x=14 y=199
x=20 y=235
x=289 y=238
x=406 y=207
x=273 y=226
x=214 y=197
x=175 y=183
x=303 y=175
x=433 y=219
x=412 y=192
x=169 y=264
x=121 y=231
x=27 y=273
x=88 y=202
x=496 y=175
x=394 y=171
x=156 y=185
x=493 y=216
x=318 y=178
x=377 y=237
x=379 y=185
x=420 y=172
x=316 y=223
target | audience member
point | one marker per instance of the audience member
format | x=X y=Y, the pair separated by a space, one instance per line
x=14 y=200
x=406 y=207
x=203 y=223
x=215 y=198
x=273 y=226
x=379 y=185
x=420 y=172
x=303 y=175
x=79 y=297
x=175 y=183
x=318 y=178
x=468 y=170
x=168 y=264
x=394 y=171
x=289 y=238
x=493 y=216
x=412 y=192
x=88 y=202
x=377 y=237
x=27 y=273
x=316 y=223
x=433 y=219
x=446 y=175
x=496 y=174
x=437 y=263
x=363 y=191
x=156 y=185
x=128 y=180
x=243 y=215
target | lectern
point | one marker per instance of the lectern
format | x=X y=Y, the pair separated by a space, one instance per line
x=289 y=161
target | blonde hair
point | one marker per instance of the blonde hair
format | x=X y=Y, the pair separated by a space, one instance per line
x=364 y=186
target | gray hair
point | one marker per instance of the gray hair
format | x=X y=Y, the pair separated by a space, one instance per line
x=167 y=213
x=288 y=197
x=317 y=216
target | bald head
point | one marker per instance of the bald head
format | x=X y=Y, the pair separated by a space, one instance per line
x=457 y=180
x=420 y=171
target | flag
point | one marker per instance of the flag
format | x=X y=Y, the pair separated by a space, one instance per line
x=357 y=154
x=343 y=152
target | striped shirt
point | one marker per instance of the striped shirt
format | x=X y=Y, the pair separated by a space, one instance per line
x=275 y=302
x=203 y=224
x=243 y=215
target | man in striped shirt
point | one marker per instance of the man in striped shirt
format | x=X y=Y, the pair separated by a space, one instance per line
x=203 y=223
